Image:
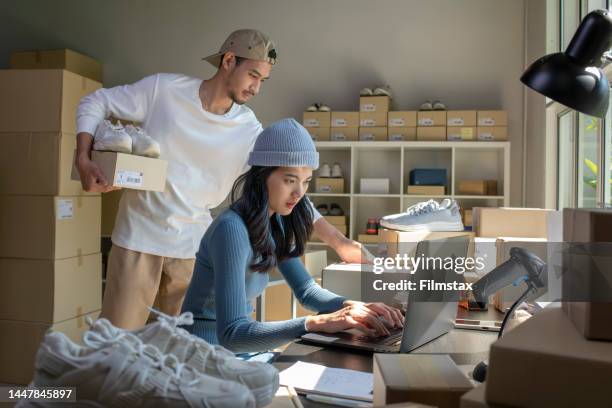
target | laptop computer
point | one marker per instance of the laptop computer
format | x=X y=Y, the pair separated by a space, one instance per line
x=429 y=314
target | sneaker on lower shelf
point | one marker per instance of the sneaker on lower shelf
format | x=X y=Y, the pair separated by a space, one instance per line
x=112 y=138
x=324 y=170
x=142 y=144
x=336 y=170
x=335 y=209
x=426 y=216
x=124 y=372
x=323 y=209
x=166 y=335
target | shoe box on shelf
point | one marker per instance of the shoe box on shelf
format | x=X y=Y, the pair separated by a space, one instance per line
x=492 y=125
x=477 y=187
x=429 y=182
x=429 y=379
x=50 y=228
x=318 y=125
x=373 y=134
x=377 y=103
x=374 y=186
x=338 y=221
x=402 y=126
x=426 y=190
x=586 y=280
x=547 y=362
x=58 y=59
x=373 y=116
x=129 y=170
x=493 y=222
x=431 y=119
x=461 y=125
x=329 y=185
x=466 y=217
x=401 y=134
x=431 y=133
x=344 y=126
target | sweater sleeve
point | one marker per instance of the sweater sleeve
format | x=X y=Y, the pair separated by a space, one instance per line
x=231 y=252
x=306 y=290
x=128 y=102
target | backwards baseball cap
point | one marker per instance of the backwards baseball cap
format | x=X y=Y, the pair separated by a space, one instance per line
x=246 y=43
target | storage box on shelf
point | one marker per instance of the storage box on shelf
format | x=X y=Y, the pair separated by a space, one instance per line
x=58 y=59
x=373 y=134
x=401 y=134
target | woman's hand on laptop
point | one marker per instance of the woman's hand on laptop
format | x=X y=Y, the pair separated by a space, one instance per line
x=390 y=316
x=355 y=315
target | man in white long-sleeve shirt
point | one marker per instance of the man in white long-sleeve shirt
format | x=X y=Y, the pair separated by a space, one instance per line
x=205 y=133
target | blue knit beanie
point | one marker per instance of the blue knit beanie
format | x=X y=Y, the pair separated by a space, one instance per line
x=285 y=143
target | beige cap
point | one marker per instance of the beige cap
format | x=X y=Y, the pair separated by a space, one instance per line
x=252 y=44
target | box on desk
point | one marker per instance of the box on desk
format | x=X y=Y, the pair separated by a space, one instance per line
x=58 y=59
x=374 y=104
x=402 y=134
x=129 y=170
x=42 y=100
x=546 y=362
x=429 y=379
x=316 y=119
x=333 y=185
x=345 y=119
x=342 y=134
x=404 y=119
x=510 y=222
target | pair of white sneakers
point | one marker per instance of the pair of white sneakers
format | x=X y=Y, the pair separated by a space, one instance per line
x=160 y=365
x=427 y=216
x=380 y=90
x=326 y=171
x=129 y=139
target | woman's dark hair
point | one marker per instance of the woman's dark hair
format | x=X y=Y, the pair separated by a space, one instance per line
x=275 y=238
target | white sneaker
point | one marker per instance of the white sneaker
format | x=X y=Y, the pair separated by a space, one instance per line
x=437 y=105
x=336 y=170
x=365 y=92
x=383 y=90
x=128 y=373
x=312 y=108
x=260 y=378
x=426 y=106
x=324 y=108
x=142 y=144
x=426 y=216
x=112 y=138
x=324 y=171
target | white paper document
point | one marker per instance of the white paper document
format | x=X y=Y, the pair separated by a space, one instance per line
x=337 y=382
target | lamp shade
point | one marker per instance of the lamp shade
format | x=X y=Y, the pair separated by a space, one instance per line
x=573 y=77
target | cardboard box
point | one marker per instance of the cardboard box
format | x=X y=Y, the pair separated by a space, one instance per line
x=546 y=362
x=19 y=342
x=374 y=104
x=320 y=134
x=317 y=119
x=49 y=291
x=477 y=187
x=130 y=171
x=436 y=133
x=492 y=118
x=46 y=227
x=110 y=207
x=402 y=119
x=495 y=222
x=344 y=134
x=459 y=133
x=345 y=119
x=397 y=134
x=374 y=186
x=58 y=59
x=492 y=133
x=394 y=242
x=431 y=118
x=373 y=119
x=426 y=190
x=592 y=319
x=329 y=185
x=429 y=379
x=336 y=219
x=467 y=218
x=278 y=306
x=368 y=239
x=427 y=177
x=461 y=118
x=372 y=134
x=475 y=398
x=41 y=100
x=343 y=279
x=38 y=164
x=503 y=299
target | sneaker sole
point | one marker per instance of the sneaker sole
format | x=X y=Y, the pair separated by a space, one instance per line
x=433 y=226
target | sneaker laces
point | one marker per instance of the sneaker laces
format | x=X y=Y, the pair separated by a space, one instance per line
x=422 y=208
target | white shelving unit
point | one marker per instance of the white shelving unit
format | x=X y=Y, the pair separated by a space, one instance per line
x=395 y=160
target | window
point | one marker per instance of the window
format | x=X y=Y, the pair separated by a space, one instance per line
x=566 y=159
x=570 y=18
x=607 y=159
x=588 y=165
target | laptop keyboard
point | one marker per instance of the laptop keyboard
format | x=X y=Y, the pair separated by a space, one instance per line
x=391 y=339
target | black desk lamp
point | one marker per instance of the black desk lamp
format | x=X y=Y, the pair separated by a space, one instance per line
x=573 y=77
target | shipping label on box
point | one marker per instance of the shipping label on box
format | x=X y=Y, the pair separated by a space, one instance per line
x=435 y=133
x=58 y=59
x=492 y=133
x=461 y=118
x=493 y=118
x=345 y=119
x=399 y=134
x=373 y=119
x=329 y=185
x=374 y=104
x=42 y=100
x=344 y=134
x=371 y=134
x=317 y=119
x=458 y=133
x=320 y=134
x=402 y=119
x=431 y=118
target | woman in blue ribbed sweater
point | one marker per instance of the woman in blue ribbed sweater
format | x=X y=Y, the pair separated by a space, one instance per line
x=267 y=225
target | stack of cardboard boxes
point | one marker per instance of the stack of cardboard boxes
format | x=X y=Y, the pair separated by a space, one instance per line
x=373 y=112
x=318 y=125
x=344 y=126
x=50 y=267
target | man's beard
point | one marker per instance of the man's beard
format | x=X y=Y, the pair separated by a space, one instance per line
x=235 y=99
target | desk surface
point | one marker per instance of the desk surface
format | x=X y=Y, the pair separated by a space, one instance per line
x=465 y=347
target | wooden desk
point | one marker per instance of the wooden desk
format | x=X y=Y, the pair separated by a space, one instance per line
x=465 y=347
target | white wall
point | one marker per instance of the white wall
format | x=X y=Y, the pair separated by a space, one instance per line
x=469 y=53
